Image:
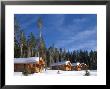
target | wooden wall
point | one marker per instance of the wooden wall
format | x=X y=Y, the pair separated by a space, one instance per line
x=30 y=67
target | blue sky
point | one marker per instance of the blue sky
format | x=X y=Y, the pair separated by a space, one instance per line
x=69 y=31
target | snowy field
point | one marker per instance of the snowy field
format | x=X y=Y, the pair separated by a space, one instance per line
x=61 y=73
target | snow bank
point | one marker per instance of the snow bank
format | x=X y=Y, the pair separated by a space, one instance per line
x=61 y=73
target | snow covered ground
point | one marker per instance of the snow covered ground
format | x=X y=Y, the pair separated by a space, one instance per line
x=61 y=73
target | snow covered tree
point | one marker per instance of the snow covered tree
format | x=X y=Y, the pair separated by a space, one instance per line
x=32 y=43
x=23 y=44
x=17 y=29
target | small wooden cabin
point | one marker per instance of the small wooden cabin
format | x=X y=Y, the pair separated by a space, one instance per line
x=84 y=66
x=79 y=66
x=31 y=64
x=76 y=66
x=65 y=65
x=68 y=66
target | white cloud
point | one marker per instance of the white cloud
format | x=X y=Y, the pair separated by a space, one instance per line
x=85 y=34
x=83 y=39
x=91 y=45
x=73 y=27
x=77 y=20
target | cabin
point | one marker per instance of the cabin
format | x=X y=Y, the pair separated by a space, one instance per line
x=31 y=64
x=76 y=66
x=79 y=66
x=64 y=65
x=68 y=66
x=84 y=66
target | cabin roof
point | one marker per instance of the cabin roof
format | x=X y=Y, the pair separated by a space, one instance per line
x=26 y=60
x=60 y=63
x=75 y=64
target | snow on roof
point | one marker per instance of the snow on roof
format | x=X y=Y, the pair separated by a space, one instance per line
x=84 y=64
x=60 y=63
x=67 y=62
x=75 y=64
x=78 y=63
x=26 y=60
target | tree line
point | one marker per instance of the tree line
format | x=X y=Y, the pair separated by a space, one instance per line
x=31 y=46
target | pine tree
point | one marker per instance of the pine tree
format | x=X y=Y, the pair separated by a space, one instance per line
x=17 y=29
x=43 y=49
x=32 y=43
x=22 y=44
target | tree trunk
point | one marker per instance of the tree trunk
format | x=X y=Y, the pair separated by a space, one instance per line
x=29 y=53
x=32 y=53
x=21 y=48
